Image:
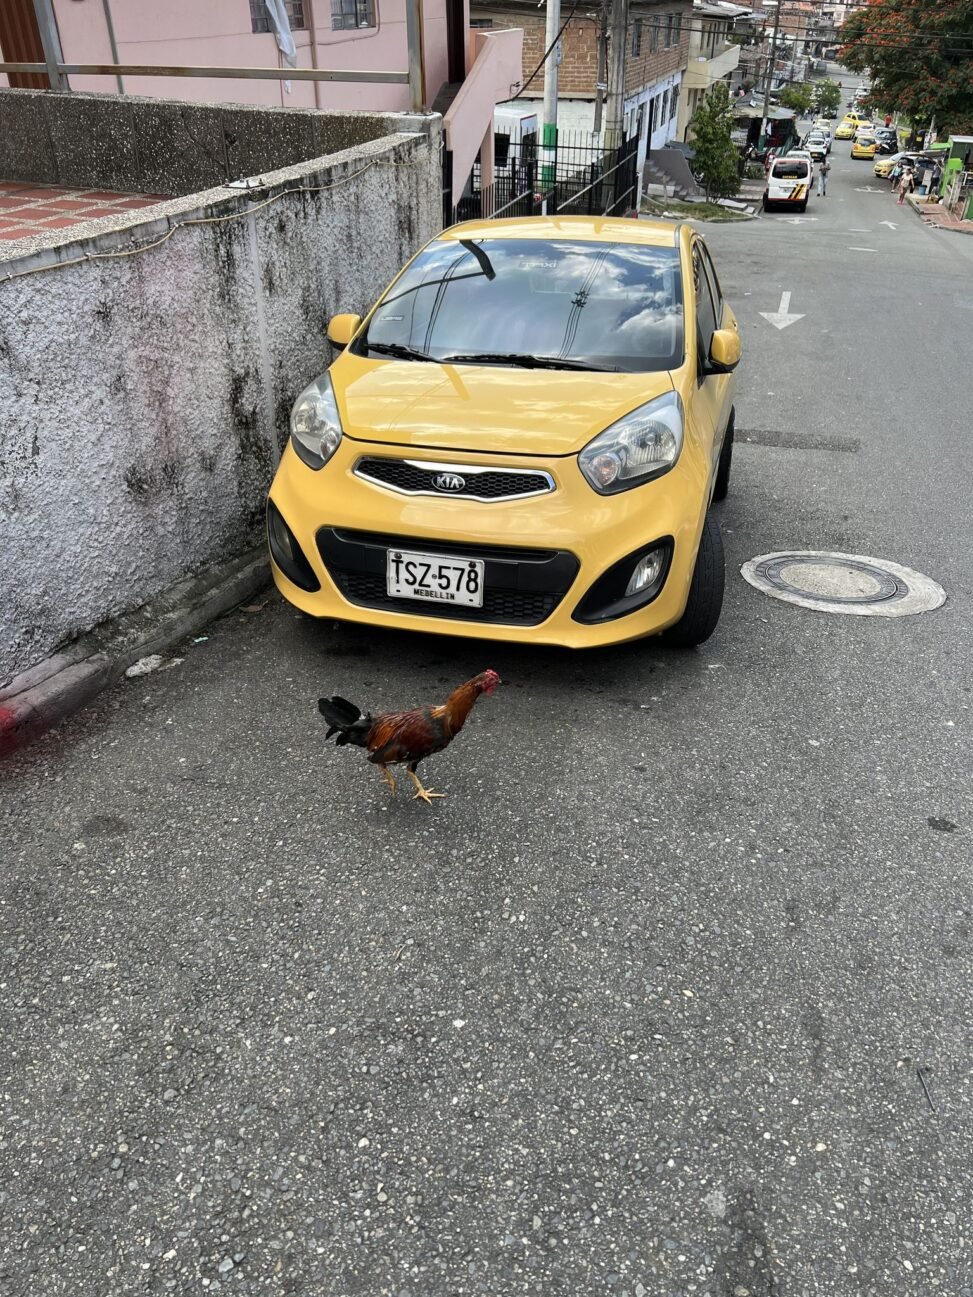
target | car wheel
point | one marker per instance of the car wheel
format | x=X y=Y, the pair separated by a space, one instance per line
x=722 y=484
x=764 y=203
x=802 y=207
x=705 y=591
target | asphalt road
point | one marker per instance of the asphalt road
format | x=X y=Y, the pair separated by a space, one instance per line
x=640 y=1008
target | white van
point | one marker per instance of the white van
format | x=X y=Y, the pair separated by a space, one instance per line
x=789 y=182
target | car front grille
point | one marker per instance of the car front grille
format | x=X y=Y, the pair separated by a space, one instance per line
x=464 y=481
x=522 y=587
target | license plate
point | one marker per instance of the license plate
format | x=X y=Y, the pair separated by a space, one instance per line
x=435 y=578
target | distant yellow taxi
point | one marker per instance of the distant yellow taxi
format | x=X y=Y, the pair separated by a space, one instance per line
x=846 y=129
x=864 y=146
x=885 y=165
x=521 y=441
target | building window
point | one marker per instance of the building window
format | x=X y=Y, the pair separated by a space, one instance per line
x=677 y=28
x=346 y=15
x=260 y=15
x=669 y=28
x=664 y=111
x=674 y=101
x=636 y=38
x=654 y=42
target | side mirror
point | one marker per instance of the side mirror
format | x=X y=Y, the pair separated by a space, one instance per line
x=724 y=352
x=342 y=328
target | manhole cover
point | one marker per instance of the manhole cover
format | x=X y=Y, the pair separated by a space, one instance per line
x=849 y=583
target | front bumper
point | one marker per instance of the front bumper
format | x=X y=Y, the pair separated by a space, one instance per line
x=543 y=554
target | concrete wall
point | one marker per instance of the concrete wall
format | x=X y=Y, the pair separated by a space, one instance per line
x=144 y=398
x=153 y=146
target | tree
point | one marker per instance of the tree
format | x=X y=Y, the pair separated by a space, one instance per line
x=920 y=57
x=798 y=98
x=827 y=96
x=717 y=160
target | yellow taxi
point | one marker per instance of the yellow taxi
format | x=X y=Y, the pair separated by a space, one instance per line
x=520 y=441
x=864 y=146
x=884 y=166
x=847 y=127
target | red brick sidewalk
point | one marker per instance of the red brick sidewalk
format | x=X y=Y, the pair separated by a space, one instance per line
x=27 y=209
x=936 y=214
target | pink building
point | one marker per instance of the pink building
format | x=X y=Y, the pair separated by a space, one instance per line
x=468 y=71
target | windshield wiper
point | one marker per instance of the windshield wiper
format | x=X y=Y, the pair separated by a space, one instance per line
x=525 y=360
x=399 y=350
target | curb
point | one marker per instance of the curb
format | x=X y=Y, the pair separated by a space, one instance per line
x=48 y=693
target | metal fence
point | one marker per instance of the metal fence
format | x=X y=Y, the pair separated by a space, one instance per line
x=580 y=177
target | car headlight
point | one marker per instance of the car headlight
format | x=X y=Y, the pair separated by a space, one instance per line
x=316 y=424
x=642 y=445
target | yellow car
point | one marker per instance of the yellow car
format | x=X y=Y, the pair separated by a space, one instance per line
x=883 y=166
x=520 y=441
x=864 y=146
x=847 y=127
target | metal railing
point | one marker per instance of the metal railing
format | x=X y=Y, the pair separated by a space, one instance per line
x=57 y=71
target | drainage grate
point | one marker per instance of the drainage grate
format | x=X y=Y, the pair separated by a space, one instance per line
x=844 y=583
x=795 y=441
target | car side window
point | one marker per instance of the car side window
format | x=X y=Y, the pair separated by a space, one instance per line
x=705 y=308
x=714 y=284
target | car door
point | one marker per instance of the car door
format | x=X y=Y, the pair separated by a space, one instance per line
x=713 y=392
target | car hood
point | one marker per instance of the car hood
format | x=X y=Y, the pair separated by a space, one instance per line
x=484 y=407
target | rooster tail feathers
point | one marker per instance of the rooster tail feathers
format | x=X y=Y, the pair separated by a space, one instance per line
x=338 y=712
x=345 y=720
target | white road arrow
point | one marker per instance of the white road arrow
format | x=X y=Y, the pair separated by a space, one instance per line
x=868 y=189
x=889 y=224
x=797 y=220
x=781 y=318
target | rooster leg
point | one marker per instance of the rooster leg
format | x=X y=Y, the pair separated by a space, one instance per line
x=426 y=794
x=389 y=778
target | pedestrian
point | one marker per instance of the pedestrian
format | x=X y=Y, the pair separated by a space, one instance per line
x=823 y=177
x=888 y=119
x=906 y=184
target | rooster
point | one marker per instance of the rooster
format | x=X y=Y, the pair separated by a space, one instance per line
x=409 y=737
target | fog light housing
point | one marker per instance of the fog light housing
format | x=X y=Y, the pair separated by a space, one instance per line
x=628 y=585
x=287 y=553
x=646 y=572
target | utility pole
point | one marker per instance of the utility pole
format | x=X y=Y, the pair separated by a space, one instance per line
x=771 y=62
x=601 y=85
x=614 y=127
x=549 y=130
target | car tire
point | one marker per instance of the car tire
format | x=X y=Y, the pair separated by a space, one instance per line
x=705 y=600
x=765 y=204
x=722 y=483
x=802 y=207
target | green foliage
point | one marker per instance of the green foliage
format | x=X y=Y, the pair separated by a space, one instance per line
x=798 y=98
x=827 y=96
x=716 y=158
x=919 y=56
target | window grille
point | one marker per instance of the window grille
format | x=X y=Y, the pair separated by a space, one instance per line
x=260 y=16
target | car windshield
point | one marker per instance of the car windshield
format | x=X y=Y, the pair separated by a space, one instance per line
x=560 y=303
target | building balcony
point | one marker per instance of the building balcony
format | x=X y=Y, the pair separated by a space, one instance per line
x=701 y=72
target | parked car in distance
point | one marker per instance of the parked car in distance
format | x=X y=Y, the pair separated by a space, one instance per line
x=521 y=441
x=818 y=146
x=822 y=124
x=788 y=182
x=884 y=166
x=863 y=147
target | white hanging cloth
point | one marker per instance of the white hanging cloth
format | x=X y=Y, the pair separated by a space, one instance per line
x=282 y=34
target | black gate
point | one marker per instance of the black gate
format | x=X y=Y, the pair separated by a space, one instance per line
x=579 y=178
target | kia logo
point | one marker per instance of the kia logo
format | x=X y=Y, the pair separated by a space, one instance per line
x=449 y=482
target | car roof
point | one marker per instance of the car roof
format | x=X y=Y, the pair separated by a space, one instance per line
x=589 y=229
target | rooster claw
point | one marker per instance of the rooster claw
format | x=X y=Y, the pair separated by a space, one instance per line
x=426 y=795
